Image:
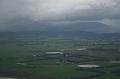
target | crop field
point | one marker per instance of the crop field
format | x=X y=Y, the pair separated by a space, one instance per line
x=59 y=59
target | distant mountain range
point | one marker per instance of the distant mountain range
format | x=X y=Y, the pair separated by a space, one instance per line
x=83 y=26
x=83 y=30
x=60 y=27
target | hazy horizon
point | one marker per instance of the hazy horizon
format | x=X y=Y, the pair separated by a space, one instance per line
x=18 y=15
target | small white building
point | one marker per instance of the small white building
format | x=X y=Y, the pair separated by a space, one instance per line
x=88 y=66
x=54 y=53
x=21 y=63
x=81 y=49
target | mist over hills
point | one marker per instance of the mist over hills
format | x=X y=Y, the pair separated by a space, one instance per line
x=84 y=26
x=37 y=15
x=82 y=30
x=96 y=27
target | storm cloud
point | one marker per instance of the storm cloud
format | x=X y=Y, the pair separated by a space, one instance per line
x=15 y=12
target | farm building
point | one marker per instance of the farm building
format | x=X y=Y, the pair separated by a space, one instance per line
x=88 y=66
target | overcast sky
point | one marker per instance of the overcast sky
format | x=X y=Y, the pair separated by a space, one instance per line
x=18 y=12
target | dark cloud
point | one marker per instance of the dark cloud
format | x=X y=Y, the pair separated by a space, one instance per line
x=17 y=12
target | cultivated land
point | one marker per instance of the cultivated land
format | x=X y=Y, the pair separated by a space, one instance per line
x=29 y=59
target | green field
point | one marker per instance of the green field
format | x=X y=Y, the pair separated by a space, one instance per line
x=28 y=59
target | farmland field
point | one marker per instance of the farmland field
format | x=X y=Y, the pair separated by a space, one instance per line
x=29 y=59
